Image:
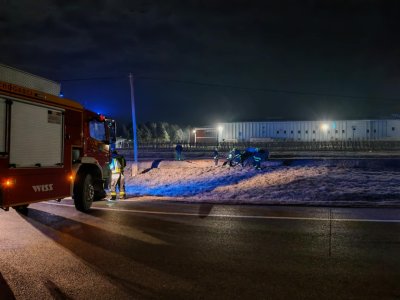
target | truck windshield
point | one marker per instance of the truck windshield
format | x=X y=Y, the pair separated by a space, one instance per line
x=97 y=130
x=112 y=130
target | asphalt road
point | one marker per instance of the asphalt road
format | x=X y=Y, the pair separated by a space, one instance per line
x=163 y=250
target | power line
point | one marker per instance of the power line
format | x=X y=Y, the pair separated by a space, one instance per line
x=219 y=85
x=90 y=78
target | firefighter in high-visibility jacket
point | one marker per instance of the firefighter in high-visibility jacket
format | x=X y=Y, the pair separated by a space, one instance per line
x=117 y=166
x=257 y=158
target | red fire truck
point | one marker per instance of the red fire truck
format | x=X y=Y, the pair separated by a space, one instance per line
x=50 y=147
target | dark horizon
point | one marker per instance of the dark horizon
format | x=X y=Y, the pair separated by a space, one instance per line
x=203 y=62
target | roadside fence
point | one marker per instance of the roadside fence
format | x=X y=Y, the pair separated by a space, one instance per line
x=276 y=146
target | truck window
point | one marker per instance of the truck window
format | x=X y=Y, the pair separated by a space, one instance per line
x=112 y=131
x=97 y=130
x=2 y=125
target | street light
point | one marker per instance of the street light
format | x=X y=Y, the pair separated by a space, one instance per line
x=219 y=132
x=325 y=127
x=194 y=131
x=134 y=169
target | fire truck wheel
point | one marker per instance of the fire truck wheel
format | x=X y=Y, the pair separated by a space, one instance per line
x=85 y=194
x=99 y=195
x=21 y=208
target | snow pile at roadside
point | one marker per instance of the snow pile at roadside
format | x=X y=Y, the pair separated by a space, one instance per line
x=305 y=182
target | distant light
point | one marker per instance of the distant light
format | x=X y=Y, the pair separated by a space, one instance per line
x=220 y=128
x=324 y=126
x=102 y=118
x=61 y=95
x=194 y=131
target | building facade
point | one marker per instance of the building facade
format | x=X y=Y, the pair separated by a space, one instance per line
x=342 y=130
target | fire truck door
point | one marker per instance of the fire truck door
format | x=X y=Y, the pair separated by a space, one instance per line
x=36 y=135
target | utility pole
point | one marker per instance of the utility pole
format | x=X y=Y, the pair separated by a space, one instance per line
x=135 y=148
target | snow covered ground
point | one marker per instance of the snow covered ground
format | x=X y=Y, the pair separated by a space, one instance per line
x=298 y=182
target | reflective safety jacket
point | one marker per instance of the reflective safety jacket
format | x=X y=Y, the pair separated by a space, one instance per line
x=257 y=158
x=115 y=166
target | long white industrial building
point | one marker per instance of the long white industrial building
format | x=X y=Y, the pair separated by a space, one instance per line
x=344 y=130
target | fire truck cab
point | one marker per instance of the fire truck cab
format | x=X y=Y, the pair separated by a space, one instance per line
x=50 y=147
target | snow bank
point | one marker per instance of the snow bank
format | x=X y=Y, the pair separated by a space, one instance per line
x=298 y=182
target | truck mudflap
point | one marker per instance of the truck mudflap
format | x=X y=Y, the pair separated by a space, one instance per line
x=1 y=199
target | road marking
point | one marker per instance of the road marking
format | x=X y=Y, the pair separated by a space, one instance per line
x=230 y=216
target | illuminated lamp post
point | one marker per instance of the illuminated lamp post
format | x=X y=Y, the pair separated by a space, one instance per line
x=325 y=127
x=135 y=147
x=219 y=132
x=194 y=131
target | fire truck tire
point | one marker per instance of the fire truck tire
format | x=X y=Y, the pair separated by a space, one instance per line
x=99 y=195
x=21 y=208
x=84 y=194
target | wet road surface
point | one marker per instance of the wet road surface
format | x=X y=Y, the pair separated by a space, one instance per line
x=165 y=250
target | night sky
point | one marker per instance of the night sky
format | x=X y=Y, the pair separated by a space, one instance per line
x=200 y=62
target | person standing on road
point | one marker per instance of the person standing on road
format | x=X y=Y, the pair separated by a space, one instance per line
x=117 y=166
x=216 y=156
x=178 y=151
x=257 y=158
